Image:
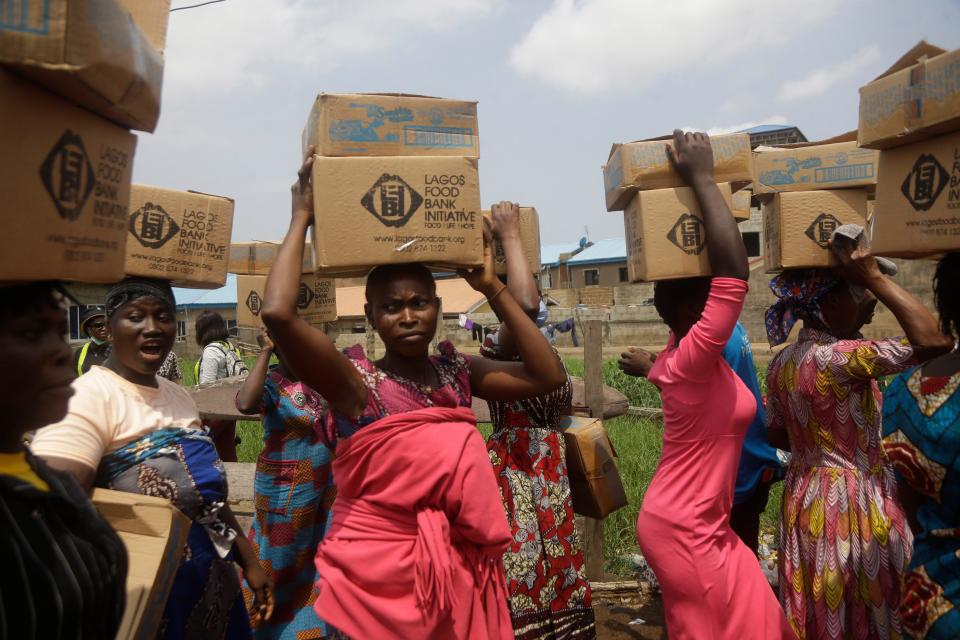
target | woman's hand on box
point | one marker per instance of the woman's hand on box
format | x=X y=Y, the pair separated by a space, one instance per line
x=691 y=156
x=484 y=278
x=506 y=219
x=302 y=190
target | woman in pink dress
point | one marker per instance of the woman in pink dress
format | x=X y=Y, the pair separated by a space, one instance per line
x=712 y=584
x=415 y=548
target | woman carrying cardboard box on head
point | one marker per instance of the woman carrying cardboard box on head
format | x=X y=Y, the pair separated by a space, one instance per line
x=546 y=581
x=129 y=430
x=712 y=584
x=418 y=533
x=842 y=526
x=64 y=568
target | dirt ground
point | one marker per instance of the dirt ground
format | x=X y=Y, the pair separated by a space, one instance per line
x=623 y=622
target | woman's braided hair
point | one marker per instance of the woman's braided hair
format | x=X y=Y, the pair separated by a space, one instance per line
x=946 y=293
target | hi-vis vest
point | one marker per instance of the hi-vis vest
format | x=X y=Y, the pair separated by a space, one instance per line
x=83 y=356
x=196 y=368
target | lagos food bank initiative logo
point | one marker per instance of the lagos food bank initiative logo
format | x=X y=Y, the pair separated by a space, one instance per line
x=925 y=182
x=153 y=226
x=821 y=229
x=254 y=302
x=687 y=234
x=391 y=200
x=304 y=296
x=68 y=175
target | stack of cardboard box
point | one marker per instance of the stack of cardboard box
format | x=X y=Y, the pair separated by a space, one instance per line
x=529 y=240
x=662 y=220
x=395 y=180
x=808 y=190
x=252 y=261
x=75 y=76
x=912 y=113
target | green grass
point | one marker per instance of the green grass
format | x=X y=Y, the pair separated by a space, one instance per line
x=638 y=442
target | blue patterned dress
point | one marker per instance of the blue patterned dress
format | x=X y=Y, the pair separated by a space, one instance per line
x=921 y=436
x=294 y=492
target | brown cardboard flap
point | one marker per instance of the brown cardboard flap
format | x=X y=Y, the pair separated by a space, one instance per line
x=921 y=50
x=849 y=136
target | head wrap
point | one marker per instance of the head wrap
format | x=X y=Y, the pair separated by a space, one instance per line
x=130 y=289
x=799 y=294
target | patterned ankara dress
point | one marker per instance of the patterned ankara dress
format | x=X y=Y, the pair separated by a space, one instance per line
x=844 y=541
x=549 y=593
x=921 y=427
x=294 y=491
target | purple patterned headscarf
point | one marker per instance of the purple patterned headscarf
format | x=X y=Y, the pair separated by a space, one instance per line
x=799 y=293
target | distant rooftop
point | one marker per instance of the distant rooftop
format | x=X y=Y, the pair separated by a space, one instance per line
x=225 y=296
x=772 y=134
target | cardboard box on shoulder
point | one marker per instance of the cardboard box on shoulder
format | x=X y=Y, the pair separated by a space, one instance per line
x=595 y=485
x=837 y=163
x=391 y=124
x=918 y=199
x=797 y=226
x=529 y=240
x=257 y=257
x=665 y=234
x=918 y=97
x=65 y=181
x=316 y=302
x=644 y=166
x=181 y=236
x=387 y=210
x=89 y=51
x=155 y=535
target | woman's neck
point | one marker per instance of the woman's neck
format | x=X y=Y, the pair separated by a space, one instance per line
x=418 y=369
x=128 y=374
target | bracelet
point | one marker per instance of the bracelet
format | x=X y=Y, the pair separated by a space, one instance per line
x=499 y=291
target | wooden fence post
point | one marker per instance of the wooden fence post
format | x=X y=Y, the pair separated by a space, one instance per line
x=593 y=394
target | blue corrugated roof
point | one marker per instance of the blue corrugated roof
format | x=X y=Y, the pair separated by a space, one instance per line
x=610 y=250
x=550 y=253
x=224 y=296
x=767 y=128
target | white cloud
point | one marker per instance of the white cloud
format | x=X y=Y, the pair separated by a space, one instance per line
x=588 y=46
x=822 y=79
x=235 y=44
x=718 y=130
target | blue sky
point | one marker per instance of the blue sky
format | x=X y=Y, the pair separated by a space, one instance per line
x=557 y=82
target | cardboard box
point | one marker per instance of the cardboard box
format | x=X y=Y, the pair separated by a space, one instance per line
x=155 y=534
x=181 y=236
x=645 y=166
x=372 y=211
x=918 y=199
x=391 y=124
x=595 y=484
x=741 y=201
x=529 y=239
x=316 y=304
x=257 y=257
x=918 y=97
x=814 y=166
x=665 y=234
x=89 y=51
x=797 y=226
x=152 y=17
x=65 y=181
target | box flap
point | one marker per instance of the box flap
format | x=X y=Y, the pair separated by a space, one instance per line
x=922 y=49
x=849 y=136
x=392 y=94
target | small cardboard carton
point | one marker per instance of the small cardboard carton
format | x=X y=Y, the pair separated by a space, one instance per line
x=152 y=17
x=918 y=97
x=665 y=234
x=595 y=484
x=797 y=226
x=391 y=124
x=529 y=239
x=831 y=164
x=316 y=303
x=741 y=201
x=181 y=236
x=65 y=181
x=89 y=51
x=918 y=199
x=373 y=211
x=257 y=257
x=644 y=166
x=155 y=535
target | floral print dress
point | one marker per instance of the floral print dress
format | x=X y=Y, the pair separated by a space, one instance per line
x=549 y=592
x=844 y=540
